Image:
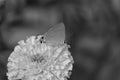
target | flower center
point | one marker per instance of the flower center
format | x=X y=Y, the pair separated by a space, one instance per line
x=40 y=59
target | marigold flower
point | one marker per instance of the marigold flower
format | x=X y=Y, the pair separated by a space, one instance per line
x=36 y=60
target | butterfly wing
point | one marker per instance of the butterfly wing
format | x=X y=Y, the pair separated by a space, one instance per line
x=55 y=35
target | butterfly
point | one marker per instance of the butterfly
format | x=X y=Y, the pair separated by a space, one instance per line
x=55 y=35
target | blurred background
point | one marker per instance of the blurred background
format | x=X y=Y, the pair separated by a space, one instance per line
x=92 y=31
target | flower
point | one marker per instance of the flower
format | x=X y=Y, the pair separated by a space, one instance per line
x=36 y=60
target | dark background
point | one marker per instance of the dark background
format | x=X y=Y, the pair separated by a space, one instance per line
x=92 y=31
